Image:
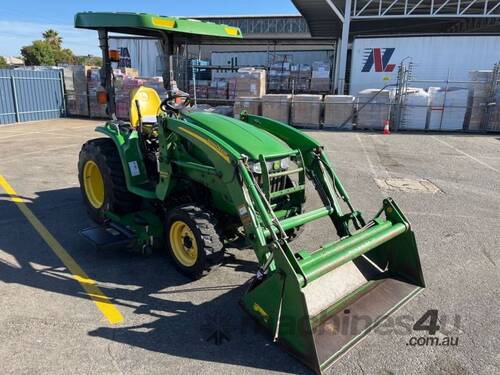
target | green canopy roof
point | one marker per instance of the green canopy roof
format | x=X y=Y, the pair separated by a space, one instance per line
x=154 y=25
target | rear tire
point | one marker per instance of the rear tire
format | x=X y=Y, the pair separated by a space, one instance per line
x=193 y=240
x=102 y=180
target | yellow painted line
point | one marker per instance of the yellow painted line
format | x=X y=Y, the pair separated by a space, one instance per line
x=103 y=303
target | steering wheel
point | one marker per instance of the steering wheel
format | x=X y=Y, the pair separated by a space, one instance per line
x=175 y=102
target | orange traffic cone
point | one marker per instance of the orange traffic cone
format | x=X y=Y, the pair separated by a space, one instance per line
x=387 y=131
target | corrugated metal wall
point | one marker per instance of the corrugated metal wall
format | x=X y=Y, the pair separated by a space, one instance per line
x=30 y=95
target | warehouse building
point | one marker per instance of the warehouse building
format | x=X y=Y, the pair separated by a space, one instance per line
x=432 y=65
x=346 y=20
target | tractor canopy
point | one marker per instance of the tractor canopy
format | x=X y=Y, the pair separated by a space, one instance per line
x=248 y=140
x=154 y=25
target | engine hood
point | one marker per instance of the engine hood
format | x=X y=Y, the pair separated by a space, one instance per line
x=243 y=137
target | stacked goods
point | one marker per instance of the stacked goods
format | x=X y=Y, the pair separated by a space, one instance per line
x=480 y=87
x=414 y=113
x=94 y=86
x=130 y=72
x=377 y=109
x=320 y=78
x=448 y=107
x=494 y=120
x=300 y=77
x=231 y=88
x=75 y=82
x=122 y=95
x=338 y=109
x=157 y=84
x=250 y=82
x=212 y=90
x=201 y=89
x=250 y=104
x=306 y=110
x=218 y=89
x=277 y=106
x=279 y=76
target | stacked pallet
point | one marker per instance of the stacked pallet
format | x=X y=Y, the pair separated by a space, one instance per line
x=320 y=77
x=448 y=107
x=252 y=105
x=75 y=82
x=373 y=110
x=479 y=92
x=250 y=82
x=279 y=76
x=300 y=77
x=414 y=111
x=338 y=109
x=277 y=106
x=494 y=120
x=96 y=110
x=306 y=110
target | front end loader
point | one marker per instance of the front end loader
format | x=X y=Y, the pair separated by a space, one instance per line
x=190 y=182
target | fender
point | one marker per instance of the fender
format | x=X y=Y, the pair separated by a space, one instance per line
x=131 y=157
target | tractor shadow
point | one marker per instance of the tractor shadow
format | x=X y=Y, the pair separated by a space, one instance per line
x=164 y=311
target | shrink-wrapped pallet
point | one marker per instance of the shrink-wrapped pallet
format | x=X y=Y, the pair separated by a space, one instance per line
x=376 y=111
x=277 y=107
x=306 y=110
x=338 y=109
x=250 y=104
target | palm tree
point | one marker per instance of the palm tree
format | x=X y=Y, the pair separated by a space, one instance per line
x=52 y=37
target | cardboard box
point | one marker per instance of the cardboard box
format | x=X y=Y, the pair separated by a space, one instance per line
x=130 y=72
x=250 y=82
x=277 y=107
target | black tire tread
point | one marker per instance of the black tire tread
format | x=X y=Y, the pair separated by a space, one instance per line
x=118 y=198
x=207 y=226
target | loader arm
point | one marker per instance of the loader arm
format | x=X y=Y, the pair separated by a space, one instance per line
x=301 y=296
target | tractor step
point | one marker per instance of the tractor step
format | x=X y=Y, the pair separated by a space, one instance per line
x=109 y=236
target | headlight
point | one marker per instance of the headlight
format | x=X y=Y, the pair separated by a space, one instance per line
x=275 y=165
x=285 y=163
x=255 y=167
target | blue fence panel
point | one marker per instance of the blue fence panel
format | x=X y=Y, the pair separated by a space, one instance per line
x=27 y=95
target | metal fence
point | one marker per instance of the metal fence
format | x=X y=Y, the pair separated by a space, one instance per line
x=30 y=95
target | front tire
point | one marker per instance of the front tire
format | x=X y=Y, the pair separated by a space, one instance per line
x=102 y=180
x=193 y=240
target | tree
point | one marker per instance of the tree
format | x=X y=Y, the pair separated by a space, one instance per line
x=89 y=60
x=3 y=63
x=48 y=51
x=39 y=53
x=64 y=56
x=53 y=38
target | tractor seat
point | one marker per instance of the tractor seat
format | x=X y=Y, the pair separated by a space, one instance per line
x=149 y=106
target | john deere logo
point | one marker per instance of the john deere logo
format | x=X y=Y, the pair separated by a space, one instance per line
x=378 y=58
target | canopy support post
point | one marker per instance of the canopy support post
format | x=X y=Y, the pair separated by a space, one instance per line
x=107 y=72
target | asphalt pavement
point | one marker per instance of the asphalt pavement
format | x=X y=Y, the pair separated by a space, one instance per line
x=448 y=185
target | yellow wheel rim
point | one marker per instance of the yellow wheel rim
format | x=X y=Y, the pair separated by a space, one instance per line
x=183 y=243
x=93 y=184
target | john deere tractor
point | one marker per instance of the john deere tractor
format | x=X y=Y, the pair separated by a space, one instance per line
x=190 y=182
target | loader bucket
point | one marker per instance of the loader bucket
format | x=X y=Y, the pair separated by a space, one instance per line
x=320 y=304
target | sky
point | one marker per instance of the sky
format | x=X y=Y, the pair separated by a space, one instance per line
x=23 y=21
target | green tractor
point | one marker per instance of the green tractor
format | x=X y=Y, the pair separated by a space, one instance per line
x=190 y=182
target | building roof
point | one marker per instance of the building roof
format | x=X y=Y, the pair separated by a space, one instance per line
x=11 y=60
x=325 y=17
